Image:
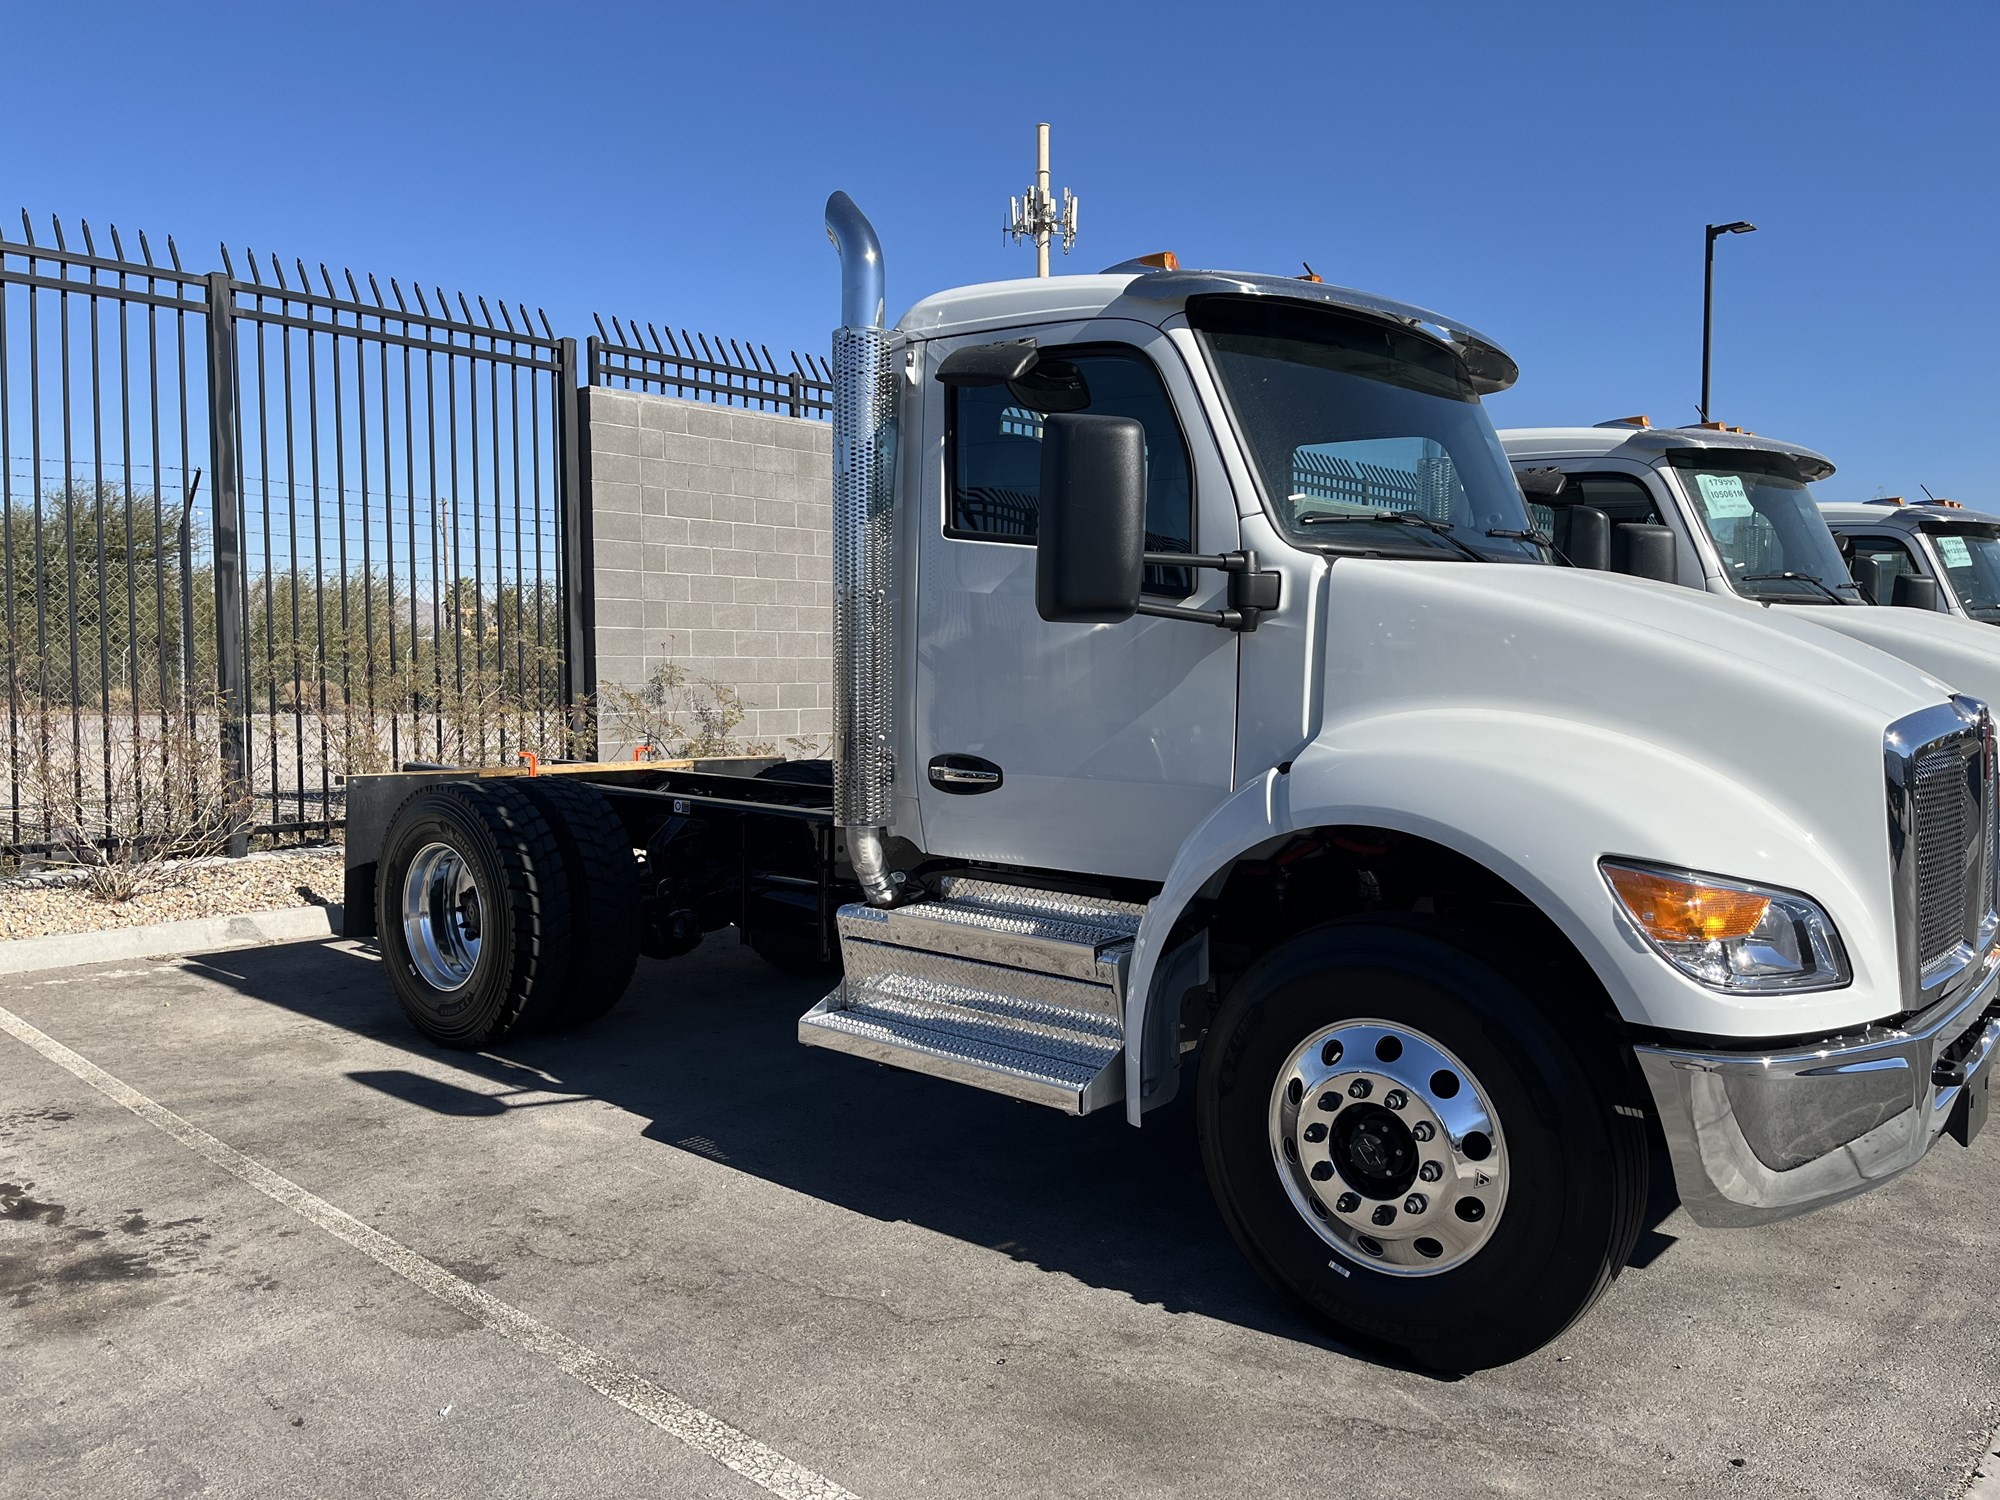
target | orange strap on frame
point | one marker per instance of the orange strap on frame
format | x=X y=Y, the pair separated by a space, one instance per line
x=534 y=761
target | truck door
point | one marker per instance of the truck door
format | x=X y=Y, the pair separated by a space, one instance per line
x=1891 y=549
x=1625 y=493
x=1090 y=748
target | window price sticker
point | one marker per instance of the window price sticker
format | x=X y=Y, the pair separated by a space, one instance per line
x=1723 y=497
x=1954 y=552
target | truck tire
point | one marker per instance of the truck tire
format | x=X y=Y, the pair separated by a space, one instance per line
x=604 y=896
x=1406 y=1143
x=788 y=955
x=473 y=912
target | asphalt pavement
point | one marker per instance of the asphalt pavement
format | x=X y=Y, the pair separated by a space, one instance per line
x=258 y=1238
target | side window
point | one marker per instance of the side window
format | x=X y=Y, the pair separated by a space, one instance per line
x=994 y=450
x=1619 y=496
x=1890 y=552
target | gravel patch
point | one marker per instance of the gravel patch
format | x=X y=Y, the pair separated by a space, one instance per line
x=50 y=902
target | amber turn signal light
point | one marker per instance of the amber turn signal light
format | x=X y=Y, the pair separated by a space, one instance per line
x=1680 y=909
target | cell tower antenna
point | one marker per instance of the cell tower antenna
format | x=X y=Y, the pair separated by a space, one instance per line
x=1035 y=215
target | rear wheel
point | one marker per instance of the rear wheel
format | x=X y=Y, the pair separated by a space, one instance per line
x=604 y=896
x=473 y=908
x=1400 y=1138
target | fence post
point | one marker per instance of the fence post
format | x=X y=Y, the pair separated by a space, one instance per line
x=225 y=499
x=579 y=587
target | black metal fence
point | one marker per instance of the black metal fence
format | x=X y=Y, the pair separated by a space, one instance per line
x=639 y=358
x=265 y=528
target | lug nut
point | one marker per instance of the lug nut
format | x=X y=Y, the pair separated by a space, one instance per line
x=1322 y=1170
x=1360 y=1088
x=1395 y=1098
x=1423 y=1130
x=1330 y=1100
x=1315 y=1132
x=1430 y=1171
x=1384 y=1215
x=1347 y=1203
x=1416 y=1203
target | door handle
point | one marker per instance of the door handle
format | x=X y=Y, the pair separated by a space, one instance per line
x=964 y=775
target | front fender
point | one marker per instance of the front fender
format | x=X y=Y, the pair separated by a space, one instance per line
x=1538 y=801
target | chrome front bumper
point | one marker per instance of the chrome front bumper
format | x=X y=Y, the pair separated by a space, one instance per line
x=1760 y=1136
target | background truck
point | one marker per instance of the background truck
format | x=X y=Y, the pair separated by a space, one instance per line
x=1209 y=720
x=1930 y=554
x=1733 y=514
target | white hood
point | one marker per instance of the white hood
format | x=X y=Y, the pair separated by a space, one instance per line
x=1963 y=653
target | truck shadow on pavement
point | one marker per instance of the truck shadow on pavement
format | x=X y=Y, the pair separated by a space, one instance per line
x=705 y=1049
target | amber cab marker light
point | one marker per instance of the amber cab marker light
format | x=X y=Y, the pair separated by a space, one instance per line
x=1676 y=909
x=1162 y=260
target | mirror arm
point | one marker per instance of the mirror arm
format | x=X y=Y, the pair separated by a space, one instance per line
x=1252 y=591
x=1228 y=619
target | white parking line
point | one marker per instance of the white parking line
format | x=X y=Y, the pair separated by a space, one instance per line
x=707 y=1435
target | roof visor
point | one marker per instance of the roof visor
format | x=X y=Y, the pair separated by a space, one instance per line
x=1490 y=366
x=1690 y=447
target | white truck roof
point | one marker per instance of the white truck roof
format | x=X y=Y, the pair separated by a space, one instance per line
x=1153 y=295
x=1904 y=517
x=1644 y=443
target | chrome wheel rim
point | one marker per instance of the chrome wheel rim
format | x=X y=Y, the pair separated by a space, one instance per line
x=442 y=917
x=1389 y=1148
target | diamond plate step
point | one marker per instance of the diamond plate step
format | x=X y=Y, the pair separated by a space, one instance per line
x=991 y=1041
x=1007 y=988
x=1099 y=1000
x=1045 y=931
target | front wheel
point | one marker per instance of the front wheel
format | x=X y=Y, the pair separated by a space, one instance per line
x=1402 y=1139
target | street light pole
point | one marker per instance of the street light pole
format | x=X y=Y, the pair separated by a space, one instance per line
x=1714 y=232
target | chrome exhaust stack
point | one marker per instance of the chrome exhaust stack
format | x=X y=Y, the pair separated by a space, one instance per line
x=864 y=464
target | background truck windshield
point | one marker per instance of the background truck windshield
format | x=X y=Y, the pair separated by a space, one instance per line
x=1971 y=562
x=1768 y=532
x=1359 y=422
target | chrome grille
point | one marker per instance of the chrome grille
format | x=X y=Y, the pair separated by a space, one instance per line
x=1946 y=805
x=1943 y=845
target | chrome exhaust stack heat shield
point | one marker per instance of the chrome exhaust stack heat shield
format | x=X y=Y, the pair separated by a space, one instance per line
x=864 y=462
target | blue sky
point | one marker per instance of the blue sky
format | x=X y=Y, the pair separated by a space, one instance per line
x=1542 y=171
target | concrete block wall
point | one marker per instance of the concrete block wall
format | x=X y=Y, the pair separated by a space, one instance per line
x=713 y=549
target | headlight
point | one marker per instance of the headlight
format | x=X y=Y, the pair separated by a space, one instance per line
x=1728 y=934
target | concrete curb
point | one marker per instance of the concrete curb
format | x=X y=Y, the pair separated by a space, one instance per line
x=64 y=950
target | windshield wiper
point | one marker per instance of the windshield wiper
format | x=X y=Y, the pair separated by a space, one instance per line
x=1399 y=518
x=1508 y=534
x=1789 y=577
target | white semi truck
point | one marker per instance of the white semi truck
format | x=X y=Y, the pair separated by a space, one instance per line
x=1208 y=719
x=1929 y=554
x=1733 y=514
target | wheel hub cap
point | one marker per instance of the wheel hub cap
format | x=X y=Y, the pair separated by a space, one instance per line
x=1389 y=1147
x=1373 y=1151
x=441 y=917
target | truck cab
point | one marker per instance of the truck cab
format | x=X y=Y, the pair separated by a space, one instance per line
x=1733 y=514
x=1210 y=720
x=1950 y=555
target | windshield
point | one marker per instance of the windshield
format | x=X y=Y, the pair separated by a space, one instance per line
x=1971 y=561
x=1773 y=543
x=1364 y=436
